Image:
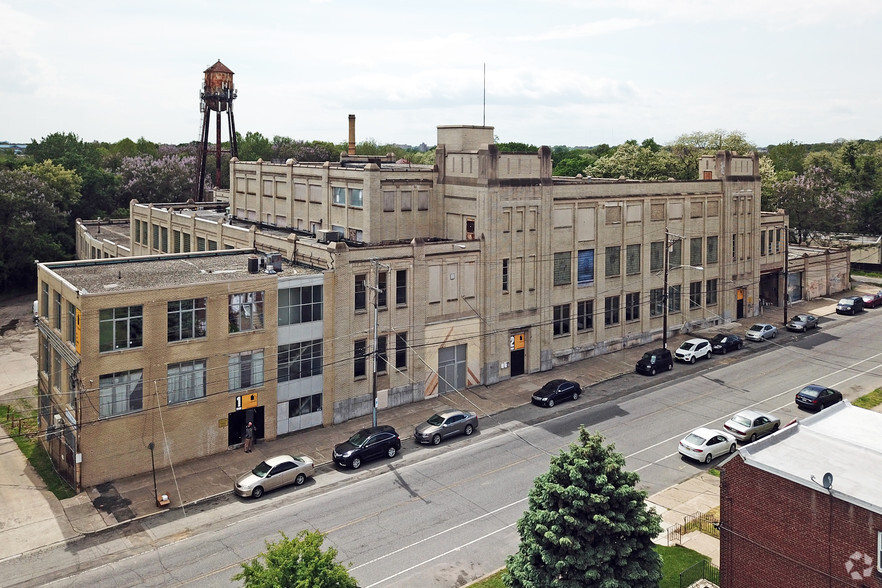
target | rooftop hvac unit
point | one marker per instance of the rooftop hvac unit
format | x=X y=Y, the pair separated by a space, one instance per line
x=326 y=236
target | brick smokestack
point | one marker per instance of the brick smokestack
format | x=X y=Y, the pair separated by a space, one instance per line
x=351 y=134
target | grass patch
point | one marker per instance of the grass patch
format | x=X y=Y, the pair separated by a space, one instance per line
x=674 y=561
x=866 y=273
x=22 y=425
x=714 y=472
x=871 y=400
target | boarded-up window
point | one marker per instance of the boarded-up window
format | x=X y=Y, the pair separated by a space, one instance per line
x=713 y=208
x=251 y=186
x=563 y=217
x=696 y=209
x=634 y=213
x=613 y=214
x=433 y=294
x=315 y=193
x=449 y=280
x=657 y=211
x=406 y=200
x=675 y=209
x=506 y=221
x=388 y=201
x=469 y=275
x=632 y=259
x=300 y=192
x=267 y=187
x=532 y=216
x=563 y=272
x=519 y=220
x=585 y=226
x=423 y=200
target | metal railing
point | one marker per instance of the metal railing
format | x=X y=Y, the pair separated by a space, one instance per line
x=702 y=570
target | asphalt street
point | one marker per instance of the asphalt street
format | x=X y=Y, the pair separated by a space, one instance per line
x=447 y=515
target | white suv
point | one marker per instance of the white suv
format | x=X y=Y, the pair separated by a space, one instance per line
x=693 y=349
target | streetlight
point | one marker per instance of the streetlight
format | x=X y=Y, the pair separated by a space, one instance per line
x=668 y=244
x=786 y=276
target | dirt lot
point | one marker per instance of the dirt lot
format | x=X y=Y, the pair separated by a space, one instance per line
x=17 y=314
x=18 y=348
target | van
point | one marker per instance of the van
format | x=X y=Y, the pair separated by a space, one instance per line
x=655 y=361
x=850 y=305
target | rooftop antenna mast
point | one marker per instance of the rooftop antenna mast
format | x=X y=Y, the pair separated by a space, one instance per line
x=484 y=119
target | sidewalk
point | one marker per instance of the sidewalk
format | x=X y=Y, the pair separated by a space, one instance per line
x=199 y=480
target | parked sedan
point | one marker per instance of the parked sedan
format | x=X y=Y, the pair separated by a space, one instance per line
x=556 y=391
x=273 y=473
x=761 y=331
x=445 y=424
x=693 y=349
x=815 y=397
x=724 y=343
x=747 y=425
x=703 y=444
x=655 y=361
x=872 y=300
x=367 y=444
x=803 y=322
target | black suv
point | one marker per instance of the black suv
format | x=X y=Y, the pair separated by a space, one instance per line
x=850 y=305
x=655 y=361
x=367 y=444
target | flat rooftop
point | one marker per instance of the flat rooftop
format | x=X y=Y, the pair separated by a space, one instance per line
x=842 y=440
x=125 y=274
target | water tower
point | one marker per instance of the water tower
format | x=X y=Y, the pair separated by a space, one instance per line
x=217 y=95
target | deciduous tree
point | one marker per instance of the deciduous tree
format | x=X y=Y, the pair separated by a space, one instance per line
x=296 y=563
x=586 y=524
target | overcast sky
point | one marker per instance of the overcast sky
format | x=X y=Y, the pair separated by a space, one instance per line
x=558 y=72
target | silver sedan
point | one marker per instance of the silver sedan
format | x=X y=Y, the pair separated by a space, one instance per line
x=803 y=322
x=445 y=424
x=747 y=425
x=273 y=473
x=761 y=331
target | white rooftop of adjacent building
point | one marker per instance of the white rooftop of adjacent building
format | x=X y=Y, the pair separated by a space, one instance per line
x=842 y=440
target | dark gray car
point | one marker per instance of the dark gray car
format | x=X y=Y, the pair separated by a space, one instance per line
x=803 y=322
x=445 y=424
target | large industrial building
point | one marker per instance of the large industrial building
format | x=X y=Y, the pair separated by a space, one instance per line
x=417 y=280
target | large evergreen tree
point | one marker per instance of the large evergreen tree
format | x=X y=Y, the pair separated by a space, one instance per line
x=586 y=525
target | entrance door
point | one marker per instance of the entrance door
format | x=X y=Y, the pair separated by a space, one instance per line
x=517 y=343
x=451 y=369
x=236 y=422
x=739 y=311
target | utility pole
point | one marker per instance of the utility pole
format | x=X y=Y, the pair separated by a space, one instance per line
x=376 y=335
x=786 y=267
x=665 y=293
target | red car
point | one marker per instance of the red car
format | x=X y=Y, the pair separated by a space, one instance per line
x=872 y=300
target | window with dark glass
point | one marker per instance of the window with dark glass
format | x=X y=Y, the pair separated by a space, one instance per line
x=360 y=358
x=632 y=306
x=611 y=311
x=401 y=287
x=561 y=322
x=563 y=273
x=694 y=294
x=585 y=267
x=120 y=328
x=186 y=319
x=299 y=360
x=400 y=350
x=585 y=315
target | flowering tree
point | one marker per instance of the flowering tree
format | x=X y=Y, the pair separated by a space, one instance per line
x=164 y=179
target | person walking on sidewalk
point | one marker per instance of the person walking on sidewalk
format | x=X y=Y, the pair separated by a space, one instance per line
x=249 y=437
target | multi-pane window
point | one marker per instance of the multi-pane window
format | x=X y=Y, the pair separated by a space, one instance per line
x=56 y=319
x=186 y=381
x=400 y=350
x=561 y=320
x=695 y=248
x=585 y=315
x=120 y=393
x=246 y=369
x=45 y=352
x=563 y=273
x=382 y=355
x=339 y=195
x=613 y=266
x=186 y=319
x=656 y=302
x=657 y=256
x=611 y=311
x=763 y=243
x=71 y=323
x=164 y=246
x=356 y=197
x=694 y=294
x=585 y=267
x=246 y=311
x=120 y=328
x=632 y=306
x=200 y=243
x=505 y=275
x=44 y=301
x=674 y=293
x=359 y=355
x=155 y=243
x=56 y=370
x=300 y=305
x=381 y=290
x=306 y=405
x=734 y=247
x=711 y=295
x=632 y=259
x=675 y=255
x=360 y=292
x=712 y=249
x=300 y=360
x=186 y=242
x=401 y=287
